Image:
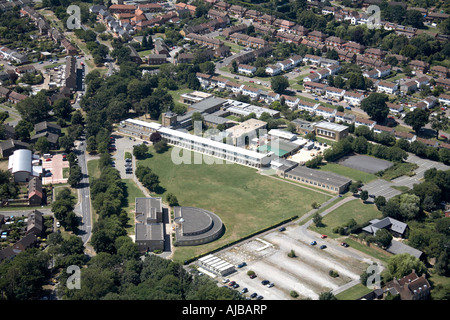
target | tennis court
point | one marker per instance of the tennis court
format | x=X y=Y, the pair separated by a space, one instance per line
x=365 y=163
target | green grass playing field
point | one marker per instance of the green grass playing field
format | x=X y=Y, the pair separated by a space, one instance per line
x=245 y=200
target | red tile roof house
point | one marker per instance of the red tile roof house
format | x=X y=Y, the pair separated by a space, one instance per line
x=410 y=287
x=364 y=122
x=317 y=36
x=325 y=112
x=354 y=98
x=15 y=97
x=335 y=93
x=387 y=87
x=445 y=83
x=246 y=69
x=440 y=71
x=354 y=47
x=335 y=42
x=419 y=65
x=375 y=53
x=314 y=87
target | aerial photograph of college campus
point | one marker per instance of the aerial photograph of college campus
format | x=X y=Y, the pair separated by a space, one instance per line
x=237 y=150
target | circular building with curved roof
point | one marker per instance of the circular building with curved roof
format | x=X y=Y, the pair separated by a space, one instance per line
x=195 y=226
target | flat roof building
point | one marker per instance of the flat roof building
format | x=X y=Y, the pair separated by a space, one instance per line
x=244 y=132
x=331 y=130
x=149 y=229
x=195 y=226
x=320 y=179
x=216 y=265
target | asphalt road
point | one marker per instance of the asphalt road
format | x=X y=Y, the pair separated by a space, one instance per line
x=83 y=208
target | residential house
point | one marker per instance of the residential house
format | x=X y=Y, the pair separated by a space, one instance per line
x=445 y=83
x=344 y=117
x=394 y=108
x=444 y=99
x=291 y=102
x=307 y=106
x=353 y=98
x=335 y=93
x=253 y=93
x=312 y=77
x=8 y=147
x=234 y=87
x=156 y=59
x=317 y=36
x=410 y=287
x=440 y=71
x=387 y=87
x=420 y=66
x=364 y=122
x=35 y=223
x=312 y=59
x=35 y=192
x=15 y=97
x=314 y=87
x=273 y=70
x=46 y=126
x=375 y=53
x=409 y=86
x=354 y=47
x=325 y=112
x=246 y=69
x=334 y=42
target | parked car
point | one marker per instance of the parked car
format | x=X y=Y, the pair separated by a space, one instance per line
x=244 y=290
x=253 y=276
x=323 y=246
x=313 y=243
x=282 y=229
x=225 y=280
x=265 y=282
x=232 y=283
x=259 y=297
x=240 y=265
x=235 y=285
x=323 y=236
x=344 y=244
x=253 y=295
x=270 y=285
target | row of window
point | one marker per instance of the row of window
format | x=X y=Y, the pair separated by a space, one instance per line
x=315 y=183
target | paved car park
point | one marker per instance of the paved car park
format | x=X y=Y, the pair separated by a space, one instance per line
x=307 y=273
x=55 y=166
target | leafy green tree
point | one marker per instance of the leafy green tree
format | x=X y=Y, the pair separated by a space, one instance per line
x=364 y=195
x=42 y=145
x=279 y=84
x=172 y=200
x=401 y=265
x=75 y=176
x=23 y=130
x=417 y=119
x=375 y=106
x=383 y=238
x=140 y=151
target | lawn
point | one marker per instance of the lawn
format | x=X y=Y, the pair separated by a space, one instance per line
x=398 y=170
x=354 y=209
x=93 y=169
x=353 y=174
x=246 y=201
x=353 y=293
x=132 y=192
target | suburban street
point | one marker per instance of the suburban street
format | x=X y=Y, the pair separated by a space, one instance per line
x=83 y=208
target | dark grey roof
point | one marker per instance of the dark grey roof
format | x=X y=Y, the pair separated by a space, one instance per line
x=207 y=103
x=319 y=176
x=35 y=218
x=44 y=125
x=152 y=231
x=397 y=247
x=390 y=223
x=215 y=119
x=144 y=205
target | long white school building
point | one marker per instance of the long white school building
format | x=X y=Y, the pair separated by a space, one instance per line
x=198 y=144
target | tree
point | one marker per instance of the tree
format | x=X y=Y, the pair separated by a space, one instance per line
x=62 y=108
x=75 y=176
x=327 y=296
x=140 y=151
x=380 y=202
x=414 y=18
x=66 y=143
x=360 y=145
x=317 y=219
x=401 y=265
x=383 y=238
x=155 y=137
x=160 y=146
x=364 y=195
x=172 y=200
x=417 y=119
x=42 y=145
x=23 y=130
x=375 y=106
x=279 y=84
